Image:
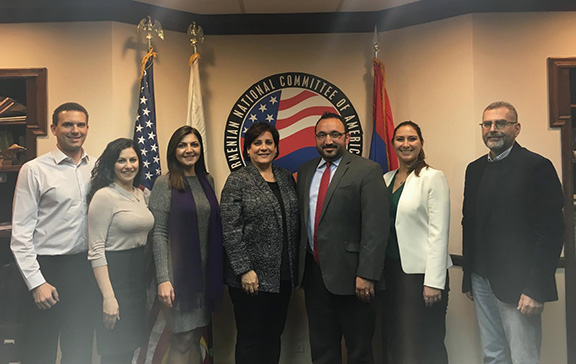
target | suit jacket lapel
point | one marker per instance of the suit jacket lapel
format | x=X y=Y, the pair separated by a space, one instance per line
x=478 y=172
x=285 y=184
x=266 y=191
x=288 y=193
x=340 y=172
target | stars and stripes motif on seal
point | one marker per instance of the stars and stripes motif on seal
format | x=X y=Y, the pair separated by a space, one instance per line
x=292 y=102
x=294 y=112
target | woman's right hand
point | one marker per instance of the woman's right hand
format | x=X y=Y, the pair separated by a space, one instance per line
x=250 y=283
x=111 y=312
x=431 y=296
x=166 y=293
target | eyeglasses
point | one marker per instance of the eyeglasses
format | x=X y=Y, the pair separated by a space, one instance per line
x=499 y=124
x=333 y=135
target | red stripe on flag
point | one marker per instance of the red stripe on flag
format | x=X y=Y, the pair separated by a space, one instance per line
x=288 y=103
x=377 y=101
x=309 y=111
x=392 y=159
x=296 y=141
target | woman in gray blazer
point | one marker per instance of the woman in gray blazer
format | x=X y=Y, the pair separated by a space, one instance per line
x=260 y=222
x=417 y=259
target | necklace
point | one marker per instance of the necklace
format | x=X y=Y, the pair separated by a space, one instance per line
x=400 y=180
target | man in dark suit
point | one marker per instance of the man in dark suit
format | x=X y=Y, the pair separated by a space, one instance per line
x=512 y=238
x=345 y=223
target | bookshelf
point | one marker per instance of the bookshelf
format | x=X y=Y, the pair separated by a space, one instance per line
x=562 y=109
x=23 y=118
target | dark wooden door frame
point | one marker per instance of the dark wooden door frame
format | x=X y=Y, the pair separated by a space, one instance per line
x=561 y=111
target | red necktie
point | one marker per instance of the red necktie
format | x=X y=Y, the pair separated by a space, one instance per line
x=324 y=182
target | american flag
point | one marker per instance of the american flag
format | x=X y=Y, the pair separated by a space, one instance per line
x=145 y=128
x=294 y=112
x=157 y=337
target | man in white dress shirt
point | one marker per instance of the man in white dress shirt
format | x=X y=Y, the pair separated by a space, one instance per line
x=50 y=243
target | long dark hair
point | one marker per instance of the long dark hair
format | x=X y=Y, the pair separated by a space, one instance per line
x=103 y=173
x=176 y=175
x=420 y=161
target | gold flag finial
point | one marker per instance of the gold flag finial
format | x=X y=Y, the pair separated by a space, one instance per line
x=146 y=25
x=196 y=35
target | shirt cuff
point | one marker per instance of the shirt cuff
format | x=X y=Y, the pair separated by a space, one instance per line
x=35 y=280
x=98 y=262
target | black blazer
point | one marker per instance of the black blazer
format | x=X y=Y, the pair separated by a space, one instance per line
x=354 y=225
x=522 y=228
x=252 y=226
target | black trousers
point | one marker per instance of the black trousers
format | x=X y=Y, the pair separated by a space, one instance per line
x=412 y=333
x=332 y=316
x=260 y=322
x=72 y=318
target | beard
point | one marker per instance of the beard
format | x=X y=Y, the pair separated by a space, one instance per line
x=498 y=145
x=331 y=154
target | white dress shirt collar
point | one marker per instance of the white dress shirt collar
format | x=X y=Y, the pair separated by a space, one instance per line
x=336 y=163
x=59 y=156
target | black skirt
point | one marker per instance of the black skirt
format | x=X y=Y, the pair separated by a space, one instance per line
x=128 y=277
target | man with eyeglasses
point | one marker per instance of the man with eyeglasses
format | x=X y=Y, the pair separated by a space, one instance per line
x=512 y=238
x=344 y=212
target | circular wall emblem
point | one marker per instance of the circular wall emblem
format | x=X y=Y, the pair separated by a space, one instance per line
x=292 y=102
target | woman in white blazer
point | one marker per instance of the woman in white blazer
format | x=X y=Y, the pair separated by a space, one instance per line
x=417 y=259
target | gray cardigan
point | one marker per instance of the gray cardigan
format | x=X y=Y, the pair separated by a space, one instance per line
x=160 y=206
x=252 y=226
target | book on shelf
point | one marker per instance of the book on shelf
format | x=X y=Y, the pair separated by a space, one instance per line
x=11 y=119
x=5 y=101
x=11 y=107
x=6 y=104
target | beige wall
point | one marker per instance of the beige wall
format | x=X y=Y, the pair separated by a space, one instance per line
x=440 y=74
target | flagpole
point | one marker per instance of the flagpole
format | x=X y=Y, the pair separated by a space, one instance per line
x=195 y=119
x=146 y=137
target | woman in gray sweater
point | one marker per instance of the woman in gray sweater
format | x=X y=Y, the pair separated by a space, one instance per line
x=261 y=227
x=187 y=242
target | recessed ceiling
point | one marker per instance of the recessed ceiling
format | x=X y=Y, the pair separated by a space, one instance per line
x=226 y=17
x=213 y=7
